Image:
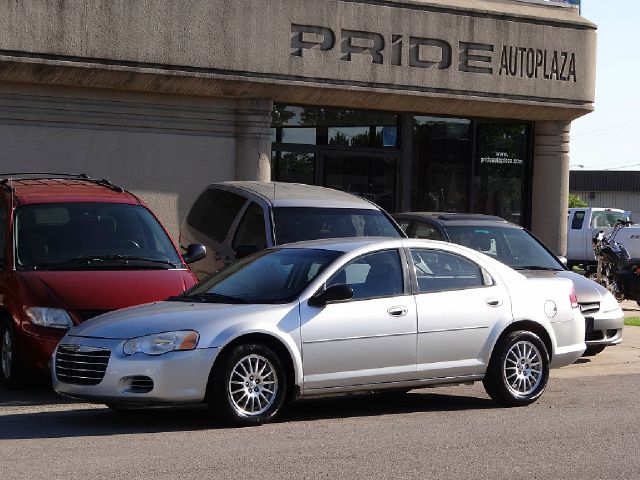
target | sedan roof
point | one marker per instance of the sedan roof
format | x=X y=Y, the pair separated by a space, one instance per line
x=459 y=219
x=281 y=194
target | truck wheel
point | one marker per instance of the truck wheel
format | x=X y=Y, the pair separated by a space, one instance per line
x=518 y=371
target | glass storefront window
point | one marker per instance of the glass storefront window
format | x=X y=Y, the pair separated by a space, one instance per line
x=295 y=167
x=500 y=170
x=440 y=164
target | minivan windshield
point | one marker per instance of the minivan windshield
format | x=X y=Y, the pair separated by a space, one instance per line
x=91 y=236
x=297 y=224
x=512 y=246
x=269 y=276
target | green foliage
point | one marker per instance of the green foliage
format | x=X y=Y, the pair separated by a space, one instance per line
x=576 y=202
x=632 y=322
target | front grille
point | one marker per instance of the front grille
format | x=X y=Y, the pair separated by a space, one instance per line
x=81 y=365
x=85 y=315
x=589 y=308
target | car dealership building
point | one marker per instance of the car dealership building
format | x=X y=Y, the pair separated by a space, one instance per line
x=416 y=104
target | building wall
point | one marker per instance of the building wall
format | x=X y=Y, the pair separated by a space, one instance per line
x=164 y=148
x=623 y=200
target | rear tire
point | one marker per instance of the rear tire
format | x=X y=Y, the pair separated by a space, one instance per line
x=10 y=373
x=248 y=386
x=593 y=350
x=518 y=371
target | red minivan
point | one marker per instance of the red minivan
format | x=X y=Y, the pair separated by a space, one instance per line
x=72 y=248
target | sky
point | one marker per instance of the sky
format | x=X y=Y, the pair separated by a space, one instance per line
x=609 y=137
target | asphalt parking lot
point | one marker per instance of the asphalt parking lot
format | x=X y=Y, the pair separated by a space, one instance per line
x=586 y=426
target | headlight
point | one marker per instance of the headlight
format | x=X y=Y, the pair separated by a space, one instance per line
x=160 y=343
x=609 y=303
x=49 y=317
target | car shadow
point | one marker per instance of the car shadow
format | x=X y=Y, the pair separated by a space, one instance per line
x=88 y=421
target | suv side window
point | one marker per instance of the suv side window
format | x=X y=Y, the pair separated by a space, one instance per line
x=372 y=276
x=439 y=271
x=578 y=220
x=252 y=229
x=214 y=212
x=426 y=231
x=3 y=235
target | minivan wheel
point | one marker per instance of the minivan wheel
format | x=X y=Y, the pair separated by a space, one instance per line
x=248 y=386
x=9 y=374
x=518 y=371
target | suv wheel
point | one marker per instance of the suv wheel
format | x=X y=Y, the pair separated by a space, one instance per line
x=248 y=386
x=518 y=371
x=8 y=355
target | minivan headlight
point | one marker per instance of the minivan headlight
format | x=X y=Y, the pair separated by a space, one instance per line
x=160 y=343
x=49 y=317
x=609 y=303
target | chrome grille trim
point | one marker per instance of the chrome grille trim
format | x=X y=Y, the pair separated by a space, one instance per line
x=80 y=364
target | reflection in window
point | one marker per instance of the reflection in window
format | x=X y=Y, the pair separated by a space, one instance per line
x=500 y=167
x=441 y=152
x=295 y=167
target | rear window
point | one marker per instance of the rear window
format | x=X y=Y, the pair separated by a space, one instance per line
x=297 y=224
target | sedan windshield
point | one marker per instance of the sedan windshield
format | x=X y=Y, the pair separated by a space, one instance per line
x=91 y=236
x=512 y=246
x=297 y=224
x=270 y=276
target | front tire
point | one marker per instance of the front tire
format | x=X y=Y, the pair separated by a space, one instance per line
x=248 y=386
x=518 y=371
x=593 y=350
x=9 y=365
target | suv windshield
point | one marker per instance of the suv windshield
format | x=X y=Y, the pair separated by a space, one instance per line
x=512 y=246
x=89 y=236
x=269 y=276
x=296 y=224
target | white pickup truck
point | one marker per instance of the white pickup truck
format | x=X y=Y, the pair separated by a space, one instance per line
x=585 y=223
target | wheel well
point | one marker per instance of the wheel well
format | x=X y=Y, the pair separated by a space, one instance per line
x=533 y=327
x=273 y=343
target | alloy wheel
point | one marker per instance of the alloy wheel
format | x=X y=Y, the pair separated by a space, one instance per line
x=7 y=353
x=522 y=368
x=253 y=385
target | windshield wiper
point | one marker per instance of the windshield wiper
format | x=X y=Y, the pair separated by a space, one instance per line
x=537 y=267
x=86 y=260
x=209 y=298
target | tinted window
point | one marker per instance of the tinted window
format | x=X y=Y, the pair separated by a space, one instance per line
x=251 y=230
x=424 y=230
x=270 y=276
x=200 y=208
x=3 y=235
x=578 y=220
x=295 y=224
x=221 y=215
x=404 y=224
x=512 y=246
x=375 y=275
x=438 y=271
x=50 y=235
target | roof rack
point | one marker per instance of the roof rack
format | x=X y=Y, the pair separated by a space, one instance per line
x=6 y=177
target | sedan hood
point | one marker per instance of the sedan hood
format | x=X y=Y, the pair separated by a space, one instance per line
x=587 y=291
x=206 y=318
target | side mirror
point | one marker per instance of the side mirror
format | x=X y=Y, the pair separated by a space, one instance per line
x=246 y=250
x=563 y=260
x=194 y=252
x=335 y=293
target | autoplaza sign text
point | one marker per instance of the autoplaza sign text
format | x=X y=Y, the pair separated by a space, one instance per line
x=424 y=52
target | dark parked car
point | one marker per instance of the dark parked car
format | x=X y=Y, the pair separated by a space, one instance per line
x=72 y=248
x=234 y=219
x=518 y=248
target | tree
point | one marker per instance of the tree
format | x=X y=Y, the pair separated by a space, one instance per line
x=576 y=202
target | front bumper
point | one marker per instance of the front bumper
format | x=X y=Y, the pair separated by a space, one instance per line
x=604 y=328
x=178 y=377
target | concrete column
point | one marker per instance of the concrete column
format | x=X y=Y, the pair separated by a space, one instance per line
x=253 y=139
x=551 y=184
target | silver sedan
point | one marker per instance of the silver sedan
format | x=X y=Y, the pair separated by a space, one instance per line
x=326 y=317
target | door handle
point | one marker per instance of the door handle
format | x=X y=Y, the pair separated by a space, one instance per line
x=494 y=302
x=399 y=311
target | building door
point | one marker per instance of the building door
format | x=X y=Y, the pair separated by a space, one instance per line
x=369 y=175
